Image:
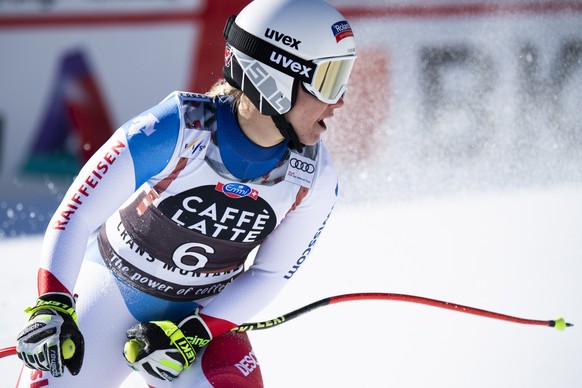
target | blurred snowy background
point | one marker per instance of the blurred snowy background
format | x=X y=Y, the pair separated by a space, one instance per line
x=460 y=157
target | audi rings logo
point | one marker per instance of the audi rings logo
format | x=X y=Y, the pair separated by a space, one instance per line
x=301 y=165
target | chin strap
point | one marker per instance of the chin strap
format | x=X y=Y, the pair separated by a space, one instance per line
x=288 y=132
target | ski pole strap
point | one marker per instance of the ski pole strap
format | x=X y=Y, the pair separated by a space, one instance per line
x=53 y=305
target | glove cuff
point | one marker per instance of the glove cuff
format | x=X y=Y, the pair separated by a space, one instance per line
x=60 y=302
x=61 y=297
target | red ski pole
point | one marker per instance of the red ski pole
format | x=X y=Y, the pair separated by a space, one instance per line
x=559 y=324
x=9 y=351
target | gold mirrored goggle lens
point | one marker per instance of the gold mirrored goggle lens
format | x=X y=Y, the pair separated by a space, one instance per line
x=331 y=78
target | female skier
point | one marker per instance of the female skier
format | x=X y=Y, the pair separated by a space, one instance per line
x=179 y=197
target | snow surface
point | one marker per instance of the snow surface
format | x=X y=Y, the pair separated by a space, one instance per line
x=515 y=252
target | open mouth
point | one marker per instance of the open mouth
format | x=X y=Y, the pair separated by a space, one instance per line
x=322 y=123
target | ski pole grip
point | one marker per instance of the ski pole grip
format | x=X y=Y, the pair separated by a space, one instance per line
x=131 y=350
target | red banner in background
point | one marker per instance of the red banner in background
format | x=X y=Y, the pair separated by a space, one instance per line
x=209 y=58
x=206 y=60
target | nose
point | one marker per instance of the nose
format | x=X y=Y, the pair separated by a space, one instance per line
x=339 y=103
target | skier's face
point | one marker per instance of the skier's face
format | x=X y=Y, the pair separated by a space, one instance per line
x=308 y=115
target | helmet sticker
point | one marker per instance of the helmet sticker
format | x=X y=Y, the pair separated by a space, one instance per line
x=341 y=30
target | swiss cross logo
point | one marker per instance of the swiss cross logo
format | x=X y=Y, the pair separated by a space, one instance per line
x=145 y=123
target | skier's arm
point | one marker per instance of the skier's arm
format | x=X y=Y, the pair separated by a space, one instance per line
x=101 y=185
x=137 y=151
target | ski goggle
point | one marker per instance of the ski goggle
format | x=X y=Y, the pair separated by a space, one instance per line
x=330 y=79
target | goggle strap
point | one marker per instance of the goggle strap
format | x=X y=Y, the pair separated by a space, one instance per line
x=268 y=53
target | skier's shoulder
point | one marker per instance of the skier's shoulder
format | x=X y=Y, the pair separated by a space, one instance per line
x=198 y=110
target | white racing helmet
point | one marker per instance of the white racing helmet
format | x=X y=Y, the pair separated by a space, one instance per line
x=274 y=46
